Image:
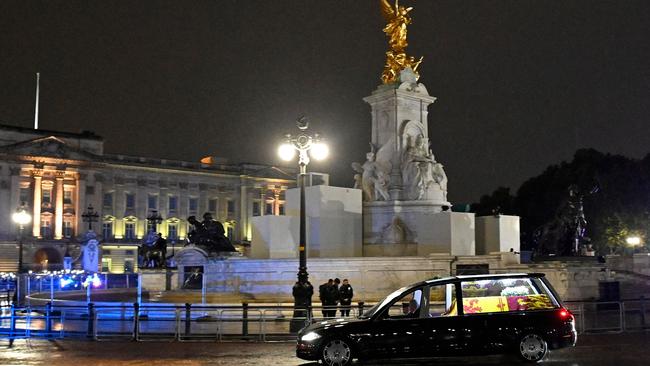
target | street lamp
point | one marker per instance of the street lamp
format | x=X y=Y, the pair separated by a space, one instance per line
x=633 y=240
x=307 y=145
x=154 y=219
x=21 y=218
x=90 y=216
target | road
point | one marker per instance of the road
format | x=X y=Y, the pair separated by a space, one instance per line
x=622 y=349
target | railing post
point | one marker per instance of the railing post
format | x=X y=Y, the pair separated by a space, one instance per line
x=12 y=326
x=244 y=324
x=127 y=280
x=48 y=318
x=642 y=312
x=91 y=320
x=136 y=322
x=361 y=303
x=188 y=319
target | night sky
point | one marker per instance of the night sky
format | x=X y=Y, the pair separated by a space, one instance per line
x=520 y=84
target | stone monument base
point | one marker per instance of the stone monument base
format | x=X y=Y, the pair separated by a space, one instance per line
x=408 y=228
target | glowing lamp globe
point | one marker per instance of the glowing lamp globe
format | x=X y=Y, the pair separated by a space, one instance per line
x=633 y=240
x=21 y=217
x=286 y=152
x=319 y=151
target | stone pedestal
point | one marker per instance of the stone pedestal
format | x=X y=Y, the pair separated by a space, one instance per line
x=449 y=232
x=497 y=234
x=333 y=218
x=415 y=228
x=274 y=237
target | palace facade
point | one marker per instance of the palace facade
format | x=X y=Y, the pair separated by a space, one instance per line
x=58 y=175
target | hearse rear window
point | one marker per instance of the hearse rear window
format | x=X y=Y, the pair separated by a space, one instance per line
x=505 y=294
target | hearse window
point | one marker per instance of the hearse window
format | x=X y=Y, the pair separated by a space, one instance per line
x=442 y=301
x=407 y=306
x=505 y=294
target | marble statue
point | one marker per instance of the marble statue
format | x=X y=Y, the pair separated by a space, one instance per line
x=375 y=174
x=420 y=171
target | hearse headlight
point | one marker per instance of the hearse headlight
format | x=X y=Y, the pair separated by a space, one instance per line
x=311 y=336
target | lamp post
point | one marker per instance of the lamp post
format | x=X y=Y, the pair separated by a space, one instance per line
x=154 y=219
x=90 y=216
x=21 y=218
x=307 y=145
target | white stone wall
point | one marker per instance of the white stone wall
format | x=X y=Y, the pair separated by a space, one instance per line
x=374 y=278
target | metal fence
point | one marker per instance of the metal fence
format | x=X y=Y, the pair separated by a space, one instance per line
x=192 y=322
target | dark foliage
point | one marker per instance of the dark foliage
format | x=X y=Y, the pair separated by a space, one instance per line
x=619 y=208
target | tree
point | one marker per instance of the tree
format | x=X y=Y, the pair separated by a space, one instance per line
x=618 y=209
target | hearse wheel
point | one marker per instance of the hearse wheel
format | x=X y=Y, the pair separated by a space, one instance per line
x=532 y=348
x=337 y=352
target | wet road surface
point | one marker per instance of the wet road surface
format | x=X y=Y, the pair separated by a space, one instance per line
x=612 y=349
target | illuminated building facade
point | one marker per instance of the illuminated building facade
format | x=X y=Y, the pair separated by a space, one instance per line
x=58 y=175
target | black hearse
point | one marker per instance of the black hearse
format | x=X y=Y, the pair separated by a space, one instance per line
x=462 y=315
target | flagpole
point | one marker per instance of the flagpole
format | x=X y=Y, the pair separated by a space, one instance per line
x=38 y=78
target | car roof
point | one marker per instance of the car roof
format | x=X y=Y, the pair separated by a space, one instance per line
x=482 y=277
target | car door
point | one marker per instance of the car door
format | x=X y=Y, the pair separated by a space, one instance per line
x=443 y=325
x=396 y=332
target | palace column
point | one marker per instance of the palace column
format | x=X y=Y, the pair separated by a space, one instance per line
x=276 y=202
x=36 y=219
x=58 y=210
x=80 y=204
x=243 y=211
x=263 y=200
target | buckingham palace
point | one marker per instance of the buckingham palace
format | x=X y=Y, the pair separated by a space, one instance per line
x=61 y=179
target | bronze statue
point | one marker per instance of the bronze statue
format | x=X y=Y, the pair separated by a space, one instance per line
x=565 y=234
x=209 y=235
x=153 y=251
x=397 y=20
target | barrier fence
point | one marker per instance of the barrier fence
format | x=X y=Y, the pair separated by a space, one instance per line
x=197 y=322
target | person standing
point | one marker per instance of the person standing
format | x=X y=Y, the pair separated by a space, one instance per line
x=331 y=299
x=334 y=298
x=325 y=295
x=346 y=293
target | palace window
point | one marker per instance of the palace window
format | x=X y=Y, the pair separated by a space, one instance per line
x=213 y=205
x=231 y=232
x=130 y=201
x=152 y=202
x=269 y=208
x=193 y=205
x=107 y=230
x=108 y=200
x=47 y=195
x=67 y=229
x=25 y=195
x=172 y=231
x=67 y=197
x=281 y=209
x=231 y=206
x=128 y=265
x=46 y=227
x=173 y=203
x=256 y=208
x=129 y=230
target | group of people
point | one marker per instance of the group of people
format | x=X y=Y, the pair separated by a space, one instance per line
x=332 y=294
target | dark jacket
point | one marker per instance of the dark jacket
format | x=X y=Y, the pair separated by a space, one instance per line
x=332 y=294
x=346 y=294
x=323 y=292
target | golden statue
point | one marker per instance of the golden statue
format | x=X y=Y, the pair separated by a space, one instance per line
x=396 y=59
